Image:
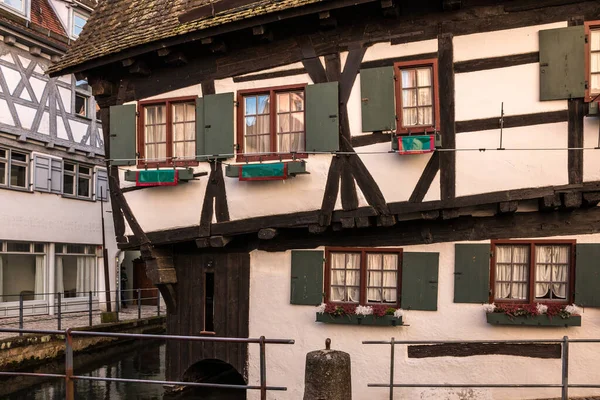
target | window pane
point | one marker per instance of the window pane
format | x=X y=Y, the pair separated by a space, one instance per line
x=18 y=4
x=178 y=132
x=263 y=104
x=81 y=105
x=425 y=116
x=161 y=151
x=283 y=102
x=190 y=150
x=512 y=272
x=68 y=184
x=595 y=82
x=595 y=62
x=38 y=247
x=75 y=248
x=409 y=116
x=178 y=112
x=190 y=131
x=595 y=45
x=258 y=144
x=82 y=84
x=290 y=142
x=424 y=77
x=345 y=277
x=18 y=176
x=83 y=187
x=297 y=120
x=160 y=133
x=409 y=78
x=2 y=153
x=297 y=101
x=425 y=97
x=150 y=152
x=2 y=173
x=69 y=167
x=551 y=272
x=18 y=247
x=283 y=123
x=409 y=98
x=15 y=156
x=84 y=170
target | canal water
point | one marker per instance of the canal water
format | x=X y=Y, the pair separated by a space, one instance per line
x=143 y=363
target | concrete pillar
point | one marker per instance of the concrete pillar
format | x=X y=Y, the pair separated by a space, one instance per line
x=327 y=375
x=51 y=254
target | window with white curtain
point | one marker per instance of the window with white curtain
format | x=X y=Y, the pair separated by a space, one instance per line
x=543 y=268
x=22 y=271
x=75 y=270
x=363 y=276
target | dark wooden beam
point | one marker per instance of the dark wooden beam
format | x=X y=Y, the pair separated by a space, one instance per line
x=386 y=62
x=258 y=30
x=550 y=202
x=528 y=5
x=591 y=199
x=219 y=241
x=508 y=207
x=102 y=88
x=447 y=113
x=575 y=140
x=176 y=58
x=372 y=138
x=207 y=204
x=512 y=121
x=165 y=51
x=330 y=195
x=532 y=350
x=267 y=233
x=427 y=177
x=496 y=62
x=140 y=68
x=572 y=200
x=128 y=62
x=451 y=5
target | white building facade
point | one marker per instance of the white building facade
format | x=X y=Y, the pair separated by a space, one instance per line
x=52 y=174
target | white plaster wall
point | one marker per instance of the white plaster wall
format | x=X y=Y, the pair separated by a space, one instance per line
x=488 y=171
x=271 y=315
x=500 y=43
x=591 y=158
x=480 y=94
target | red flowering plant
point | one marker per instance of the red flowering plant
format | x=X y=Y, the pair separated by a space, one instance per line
x=532 y=310
x=377 y=310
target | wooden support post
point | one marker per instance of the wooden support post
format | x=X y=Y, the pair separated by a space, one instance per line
x=447 y=115
x=550 y=203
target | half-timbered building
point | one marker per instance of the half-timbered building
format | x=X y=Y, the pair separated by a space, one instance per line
x=52 y=173
x=424 y=156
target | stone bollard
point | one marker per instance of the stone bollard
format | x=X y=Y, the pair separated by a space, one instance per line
x=327 y=375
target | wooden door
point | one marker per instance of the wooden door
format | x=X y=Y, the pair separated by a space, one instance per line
x=141 y=281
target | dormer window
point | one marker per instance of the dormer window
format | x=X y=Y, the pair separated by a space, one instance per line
x=17 y=5
x=79 y=21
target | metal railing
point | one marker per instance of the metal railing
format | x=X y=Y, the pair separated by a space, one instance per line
x=564 y=385
x=70 y=377
x=76 y=300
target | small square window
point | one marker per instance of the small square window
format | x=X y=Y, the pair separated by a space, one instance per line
x=76 y=249
x=38 y=247
x=79 y=22
x=81 y=105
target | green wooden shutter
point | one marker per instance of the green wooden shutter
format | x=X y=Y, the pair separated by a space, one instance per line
x=200 y=148
x=471 y=273
x=122 y=134
x=322 y=117
x=587 y=275
x=419 y=281
x=307 y=277
x=218 y=125
x=378 y=108
x=562 y=63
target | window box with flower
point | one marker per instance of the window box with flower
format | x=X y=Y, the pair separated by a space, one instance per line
x=533 y=314
x=350 y=314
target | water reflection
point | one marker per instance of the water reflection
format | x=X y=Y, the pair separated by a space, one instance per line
x=144 y=363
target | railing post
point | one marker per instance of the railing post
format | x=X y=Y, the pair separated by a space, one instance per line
x=118 y=306
x=90 y=308
x=21 y=313
x=59 y=306
x=158 y=302
x=263 y=370
x=392 y=352
x=139 y=303
x=565 y=368
x=69 y=384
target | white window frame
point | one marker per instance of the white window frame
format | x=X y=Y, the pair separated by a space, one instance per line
x=8 y=160
x=80 y=303
x=25 y=11
x=72 y=27
x=75 y=174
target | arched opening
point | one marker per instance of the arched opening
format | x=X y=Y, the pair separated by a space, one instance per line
x=212 y=371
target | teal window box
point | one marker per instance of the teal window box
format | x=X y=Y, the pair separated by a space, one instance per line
x=266 y=171
x=183 y=174
x=386 y=320
x=530 y=320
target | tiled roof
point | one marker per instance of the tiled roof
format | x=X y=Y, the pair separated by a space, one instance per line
x=42 y=14
x=117 y=25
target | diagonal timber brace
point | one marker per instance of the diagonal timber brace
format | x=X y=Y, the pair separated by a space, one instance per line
x=159 y=261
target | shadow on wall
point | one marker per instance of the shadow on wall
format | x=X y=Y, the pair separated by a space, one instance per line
x=210 y=371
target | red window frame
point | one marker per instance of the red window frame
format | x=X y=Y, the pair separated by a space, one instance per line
x=531 y=279
x=433 y=63
x=272 y=91
x=141 y=137
x=589 y=26
x=363 y=273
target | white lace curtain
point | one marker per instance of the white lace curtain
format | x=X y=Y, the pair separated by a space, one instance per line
x=512 y=271
x=551 y=272
x=345 y=277
x=86 y=275
x=382 y=278
x=39 y=277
